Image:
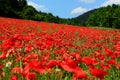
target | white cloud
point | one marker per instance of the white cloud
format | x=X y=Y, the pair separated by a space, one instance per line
x=37 y=6
x=79 y=10
x=110 y=2
x=87 y=1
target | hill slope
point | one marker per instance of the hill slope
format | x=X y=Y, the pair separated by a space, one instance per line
x=81 y=20
x=108 y=16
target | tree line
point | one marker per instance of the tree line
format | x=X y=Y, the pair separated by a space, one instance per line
x=20 y=9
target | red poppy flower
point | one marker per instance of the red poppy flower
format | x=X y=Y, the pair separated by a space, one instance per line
x=53 y=63
x=1 y=37
x=1 y=65
x=80 y=74
x=8 y=43
x=28 y=48
x=31 y=75
x=78 y=57
x=87 y=60
x=108 y=52
x=66 y=67
x=17 y=36
x=16 y=70
x=13 y=77
x=112 y=62
x=4 y=55
x=98 y=73
x=35 y=65
x=118 y=66
x=31 y=56
x=117 y=46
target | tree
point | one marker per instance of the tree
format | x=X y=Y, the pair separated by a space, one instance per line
x=28 y=13
x=9 y=8
x=22 y=4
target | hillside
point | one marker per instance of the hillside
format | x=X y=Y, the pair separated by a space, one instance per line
x=108 y=16
x=81 y=19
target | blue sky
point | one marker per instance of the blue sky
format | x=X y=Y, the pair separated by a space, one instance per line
x=69 y=8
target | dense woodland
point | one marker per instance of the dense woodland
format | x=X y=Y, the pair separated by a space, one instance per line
x=105 y=17
x=12 y=8
x=20 y=9
x=102 y=17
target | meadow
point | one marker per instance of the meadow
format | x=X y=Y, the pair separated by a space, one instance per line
x=31 y=50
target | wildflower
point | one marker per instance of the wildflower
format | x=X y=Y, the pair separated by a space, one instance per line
x=31 y=75
x=13 y=77
x=16 y=70
x=118 y=66
x=53 y=63
x=28 y=48
x=87 y=60
x=112 y=62
x=98 y=73
x=8 y=64
x=1 y=37
x=80 y=74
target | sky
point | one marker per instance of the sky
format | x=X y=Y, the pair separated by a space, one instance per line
x=69 y=8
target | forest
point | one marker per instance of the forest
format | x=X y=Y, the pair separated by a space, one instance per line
x=105 y=17
x=20 y=9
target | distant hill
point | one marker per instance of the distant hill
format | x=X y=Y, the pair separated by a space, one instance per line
x=81 y=20
x=108 y=16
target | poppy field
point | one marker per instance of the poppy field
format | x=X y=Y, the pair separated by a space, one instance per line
x=31 y=50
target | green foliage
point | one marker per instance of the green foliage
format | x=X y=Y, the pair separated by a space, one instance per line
x=106 y=16
x=39 y=17
x=10 y=8
x=28 y=12
x=48 y=17
x=22 y=4
x=20 y=9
